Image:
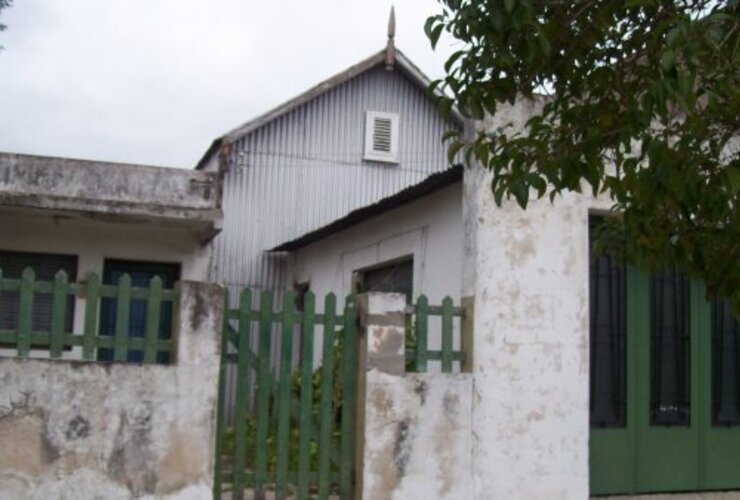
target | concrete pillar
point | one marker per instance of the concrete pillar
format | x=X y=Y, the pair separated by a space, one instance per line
x=527 y=271
x=415 y=437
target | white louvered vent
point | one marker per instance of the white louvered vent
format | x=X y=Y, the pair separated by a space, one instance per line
x=381 y=137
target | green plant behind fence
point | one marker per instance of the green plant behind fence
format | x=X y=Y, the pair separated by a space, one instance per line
x=30 y=300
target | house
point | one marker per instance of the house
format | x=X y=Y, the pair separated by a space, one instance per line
x=350 y=141
x=598 y=378
x=81 y=217
x=104 y=385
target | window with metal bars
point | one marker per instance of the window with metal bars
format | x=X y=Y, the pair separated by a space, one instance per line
x=45 y=266
x=669 y=349
x=725 y=366
x=607 y=335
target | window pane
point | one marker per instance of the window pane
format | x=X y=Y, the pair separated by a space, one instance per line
x=394 y=278
x=607 y=338
x=669 y=349
x=725 y=366
x=141 y=274
x=46 y=266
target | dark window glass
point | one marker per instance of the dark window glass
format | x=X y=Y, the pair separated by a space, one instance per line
x=46 y=267
x=393 y=278
x=141 y=276
x=607 y=337
x=669 y=349
x=725 y=365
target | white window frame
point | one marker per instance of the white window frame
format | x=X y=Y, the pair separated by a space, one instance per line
x=381 y=156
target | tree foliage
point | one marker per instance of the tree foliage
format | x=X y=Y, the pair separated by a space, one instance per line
x=641 y=102
x=4 y=4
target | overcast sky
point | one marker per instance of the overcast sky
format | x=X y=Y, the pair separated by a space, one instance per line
x=156 y=81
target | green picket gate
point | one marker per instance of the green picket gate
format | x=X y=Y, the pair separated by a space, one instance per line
x=293 y=430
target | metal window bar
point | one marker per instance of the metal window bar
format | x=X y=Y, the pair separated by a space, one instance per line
x=725 y=366
x=670 y=349
x=608 y=337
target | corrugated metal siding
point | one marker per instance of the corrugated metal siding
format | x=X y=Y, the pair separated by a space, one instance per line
x=305 y=169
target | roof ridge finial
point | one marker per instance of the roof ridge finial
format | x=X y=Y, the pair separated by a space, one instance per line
x=390 y=49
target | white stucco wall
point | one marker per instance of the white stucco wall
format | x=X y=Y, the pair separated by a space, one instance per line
x=528 y=273
x=415 y=427
x=72 y=429
x=429 y=229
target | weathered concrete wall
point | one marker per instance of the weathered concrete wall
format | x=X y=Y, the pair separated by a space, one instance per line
x=528 y=273
x=91 y=188
x=416 y=437
x=91 y=430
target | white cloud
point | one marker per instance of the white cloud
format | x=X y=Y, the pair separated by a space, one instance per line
x=154 y=82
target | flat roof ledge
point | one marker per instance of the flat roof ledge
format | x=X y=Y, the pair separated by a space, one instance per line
x=114 y=191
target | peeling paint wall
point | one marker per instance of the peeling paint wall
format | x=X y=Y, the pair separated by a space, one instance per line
x=416 y=437
x=528 y=273
x=92 y=430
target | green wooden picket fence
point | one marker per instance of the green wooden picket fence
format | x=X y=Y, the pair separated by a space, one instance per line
x=293 y=430
x=29 y=294
x=418 y=353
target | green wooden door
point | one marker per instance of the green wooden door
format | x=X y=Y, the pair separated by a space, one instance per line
x=664 y=383
x=671 y=436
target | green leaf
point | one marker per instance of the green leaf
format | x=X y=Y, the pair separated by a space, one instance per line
x=453 y=149
x=521 y=193
x=509 y=5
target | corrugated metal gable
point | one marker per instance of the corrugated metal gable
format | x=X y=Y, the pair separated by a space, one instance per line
x=304 y=169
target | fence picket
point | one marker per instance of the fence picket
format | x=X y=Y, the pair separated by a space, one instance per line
x=349 y=371
x=283 y=409
x=422 y=330
x=92 y=302
x=327 y=393
x=263 y=394
x=153 y=309
x=242 y=393
x=25 y=313
x=58 y=314
x=304 y=439
x=447 y=312
x=123 y=306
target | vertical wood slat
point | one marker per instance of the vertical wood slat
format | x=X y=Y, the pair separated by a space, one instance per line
x=153 y=310
x=306 y=394
x=92 y=303
x=263 y=394
x=447 y=335
x=218 y=474
x=25 y=313
x=349 y=369
x=327 y=392
x=58 y=314
x=123 y=306
x=242 y=393
x=466 y=335
x=284 y=398
x=422 y=329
